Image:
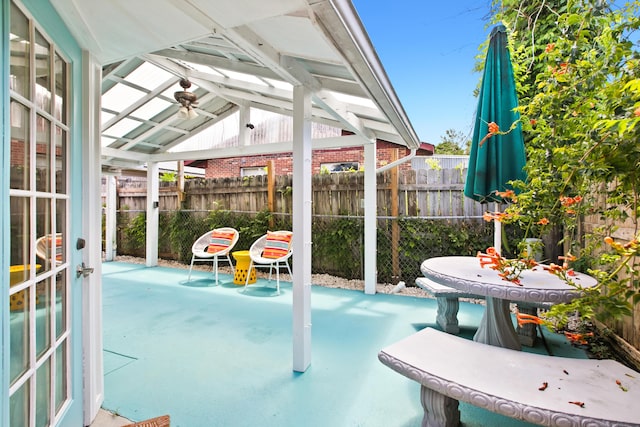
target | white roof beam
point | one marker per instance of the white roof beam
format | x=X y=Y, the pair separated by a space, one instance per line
x=219 y=82
x=215 y=62
x=248 y=41
x=219 y=64
x=168 y=65
x=113 y=70
x=254 y=150
x=159 y=126
x=235 y=95
x=322 y=116
x=342 y=86
x=323 y=98
x=267 y=96
x=200 y=129
x=319 y=115
x=198 y=77
x=219 y=153
x=120 y=164
x=335 y=109
x=294 y=73
x=340 y=112
x=115 y=153
x=139 y=103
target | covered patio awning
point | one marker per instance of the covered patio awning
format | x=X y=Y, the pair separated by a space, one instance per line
x=237 y=55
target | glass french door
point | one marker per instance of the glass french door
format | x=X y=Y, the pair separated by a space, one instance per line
x=40 y=272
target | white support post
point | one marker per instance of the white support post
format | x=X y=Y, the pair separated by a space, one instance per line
x=110 y=218
x=153 y=213
x=497 y=231
x=244 y=118
x=92 y=364
x=301 y=229
x=180 y=167
x=370 y=219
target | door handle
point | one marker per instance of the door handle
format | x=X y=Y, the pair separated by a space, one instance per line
x=83 y=271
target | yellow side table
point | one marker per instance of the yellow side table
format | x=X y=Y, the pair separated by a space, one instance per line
x=242 y=267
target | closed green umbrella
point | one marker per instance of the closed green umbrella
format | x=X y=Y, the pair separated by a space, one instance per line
x=496 y=160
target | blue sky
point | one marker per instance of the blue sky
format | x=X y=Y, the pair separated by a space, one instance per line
x=428 y=49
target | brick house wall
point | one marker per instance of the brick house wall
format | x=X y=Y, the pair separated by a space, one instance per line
x=17 y=152
x=231 y=167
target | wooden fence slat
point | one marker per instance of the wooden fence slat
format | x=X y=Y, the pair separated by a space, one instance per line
x=424 y=192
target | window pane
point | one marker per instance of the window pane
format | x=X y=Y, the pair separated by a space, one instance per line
x=43 y=394
x=253 y=171
x=19 y=336
x=19 y=146
x=61 y=303
x=61 y=389
x=19 y=406
x=61 y=227
x=339 y=167
x=19 y=46
x=60 y=140
x=43 y=73
x=60 y=70
x=43 y=153
x=43 y=317
x=19 y=238
x=46 y=243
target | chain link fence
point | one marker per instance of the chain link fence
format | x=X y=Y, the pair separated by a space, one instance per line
x=338 y=241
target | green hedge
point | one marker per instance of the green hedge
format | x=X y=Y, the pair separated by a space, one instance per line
x=338 y=246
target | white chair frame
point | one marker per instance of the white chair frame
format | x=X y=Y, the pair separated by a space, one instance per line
x=258 y=261
x=200 y=254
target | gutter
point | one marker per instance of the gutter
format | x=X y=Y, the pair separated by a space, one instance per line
x=405 y=159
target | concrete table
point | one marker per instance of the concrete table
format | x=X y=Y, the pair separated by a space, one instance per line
x=496 y=327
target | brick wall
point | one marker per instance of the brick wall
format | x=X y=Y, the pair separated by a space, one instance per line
x=17 y=153
x=230 y=167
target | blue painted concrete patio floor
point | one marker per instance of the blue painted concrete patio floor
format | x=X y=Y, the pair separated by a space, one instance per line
x=215 y=356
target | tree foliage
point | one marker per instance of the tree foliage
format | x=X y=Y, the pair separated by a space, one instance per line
x=578 y=78
x=453 y=142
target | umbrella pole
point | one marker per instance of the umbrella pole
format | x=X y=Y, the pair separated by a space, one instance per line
x=497 y=231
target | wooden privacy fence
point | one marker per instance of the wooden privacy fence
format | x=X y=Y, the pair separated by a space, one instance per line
x=420 y=194
x=423 y=193
x=414 y=194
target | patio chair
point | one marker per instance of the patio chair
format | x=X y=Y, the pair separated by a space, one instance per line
x=163 y=421
x=214 y=246
x=43 y=248
x=271 y=251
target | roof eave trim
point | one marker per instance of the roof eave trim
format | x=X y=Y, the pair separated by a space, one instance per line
x=368 y=65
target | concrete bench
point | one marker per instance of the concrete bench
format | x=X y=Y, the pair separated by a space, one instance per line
x=540 y=389
x=448 y=306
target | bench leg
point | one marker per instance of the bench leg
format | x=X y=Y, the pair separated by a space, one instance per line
x=447 y=315
x=527 y=333
x=439 y=410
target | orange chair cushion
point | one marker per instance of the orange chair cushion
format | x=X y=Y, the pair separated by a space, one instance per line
x=276 y=245
x=220 y=240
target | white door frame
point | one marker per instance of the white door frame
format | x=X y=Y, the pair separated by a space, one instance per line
x=93 y=369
